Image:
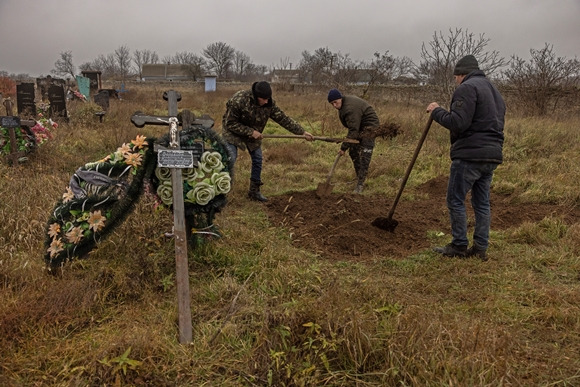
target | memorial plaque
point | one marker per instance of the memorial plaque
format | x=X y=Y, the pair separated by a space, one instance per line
x=10 y=121
x=56 y=98
x=175 y=158
x=25 y=99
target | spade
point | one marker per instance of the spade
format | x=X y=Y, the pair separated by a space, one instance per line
x=388 y=223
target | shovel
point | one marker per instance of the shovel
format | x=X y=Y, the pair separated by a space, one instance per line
x=327 y=139
x=389 y=223
x=325 y=189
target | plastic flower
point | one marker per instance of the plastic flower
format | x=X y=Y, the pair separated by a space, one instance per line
x=54 y=230
x=124 y=149
x=211 y=161
x=222 y=182
x=163 y=173
x=190 y=174
x=74 y=235
x=55 y=247
x=68 y=195
x=96 y=221
x=140 y=141
x=201 y=194
x=133 y=159
x=165 y=192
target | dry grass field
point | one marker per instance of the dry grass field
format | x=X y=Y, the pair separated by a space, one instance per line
x=301 y=290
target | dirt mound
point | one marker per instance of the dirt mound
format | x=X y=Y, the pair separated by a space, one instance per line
x=339 y=226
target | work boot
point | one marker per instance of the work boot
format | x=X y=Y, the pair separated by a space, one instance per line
x=452 y=250
x=358 y=189
x=476 y=251
x=254 y=192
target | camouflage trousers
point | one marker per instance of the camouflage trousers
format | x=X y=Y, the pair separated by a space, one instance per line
x=361 y=155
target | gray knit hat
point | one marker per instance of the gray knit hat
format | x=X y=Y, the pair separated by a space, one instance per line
x=466 y=65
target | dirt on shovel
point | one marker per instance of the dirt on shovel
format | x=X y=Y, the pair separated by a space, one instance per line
x=385 y=130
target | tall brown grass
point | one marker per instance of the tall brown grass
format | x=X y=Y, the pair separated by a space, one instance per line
x=297 y=319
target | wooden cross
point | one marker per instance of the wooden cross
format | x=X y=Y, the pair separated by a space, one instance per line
x=13 y=122
x=178 y=160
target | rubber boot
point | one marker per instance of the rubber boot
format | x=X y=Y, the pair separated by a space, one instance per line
x=254 y=192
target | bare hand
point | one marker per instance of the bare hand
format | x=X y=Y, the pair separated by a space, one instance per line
x=341 y=152
x=308 y=136
x=256 y=135
x=432 y=107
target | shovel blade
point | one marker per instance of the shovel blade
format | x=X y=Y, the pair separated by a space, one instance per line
x=387 y=224
x=323 y=190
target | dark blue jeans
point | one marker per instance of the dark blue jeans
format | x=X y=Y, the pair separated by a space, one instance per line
x=465 y=176
x=255 y=156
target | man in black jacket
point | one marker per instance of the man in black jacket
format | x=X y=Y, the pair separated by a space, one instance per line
x=475 y=122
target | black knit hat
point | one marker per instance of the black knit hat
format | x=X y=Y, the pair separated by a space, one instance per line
x=262 y=89
x=466 y=65
x=333 y=95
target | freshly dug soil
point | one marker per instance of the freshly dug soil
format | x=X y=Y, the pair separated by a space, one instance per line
x=338 y=226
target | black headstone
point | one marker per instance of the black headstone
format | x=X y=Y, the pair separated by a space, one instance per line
x=56 y=98
x=102 y=99
x=25 y=99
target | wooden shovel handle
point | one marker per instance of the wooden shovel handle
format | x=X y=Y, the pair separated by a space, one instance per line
x=332 y=168
x=410 y=167
x=327 y=139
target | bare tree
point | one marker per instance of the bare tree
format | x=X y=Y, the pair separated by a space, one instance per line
x=194 y=64
x=141 y=57
x=64 y=65
x=285 y=64
x=439 y=56
x=543 y=80
x=123 y=61
x=220 y=57
x=241 y=64
x=318 y=66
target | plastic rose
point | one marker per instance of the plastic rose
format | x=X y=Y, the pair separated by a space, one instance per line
x=211 y=161
x=165 y=192
x=189 y=174
x=202 y=193
x=222 y=182
x=163 y=173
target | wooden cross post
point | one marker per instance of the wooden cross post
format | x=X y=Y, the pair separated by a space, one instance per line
x=174 y=158
x=13 y=122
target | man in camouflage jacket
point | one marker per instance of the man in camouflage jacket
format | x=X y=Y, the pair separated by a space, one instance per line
x=356 y=115
x=247 y=113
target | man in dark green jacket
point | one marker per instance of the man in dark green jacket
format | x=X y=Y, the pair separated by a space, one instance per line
x=475 y=122
x=357 y=116
x=247 y=113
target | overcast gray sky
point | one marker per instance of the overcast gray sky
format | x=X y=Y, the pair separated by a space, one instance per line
x=33 y=33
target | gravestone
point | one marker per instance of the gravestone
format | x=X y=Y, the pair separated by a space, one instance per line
x=25 y=99
x=95 y=80
x=102 y=99
x=56 y=98
x=84 y=85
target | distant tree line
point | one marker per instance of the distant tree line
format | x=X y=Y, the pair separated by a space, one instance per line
x=537 y=81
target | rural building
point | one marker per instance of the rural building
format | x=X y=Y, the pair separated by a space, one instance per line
x=165 y=72
x=286 y=76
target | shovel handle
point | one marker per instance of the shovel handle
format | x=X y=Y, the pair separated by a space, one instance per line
x=327 y=139
x=332 y=168
x=410 y=167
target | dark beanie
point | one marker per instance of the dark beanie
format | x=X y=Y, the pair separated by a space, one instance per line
x=262 y=89
x=333 y=95
x=466 y=65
